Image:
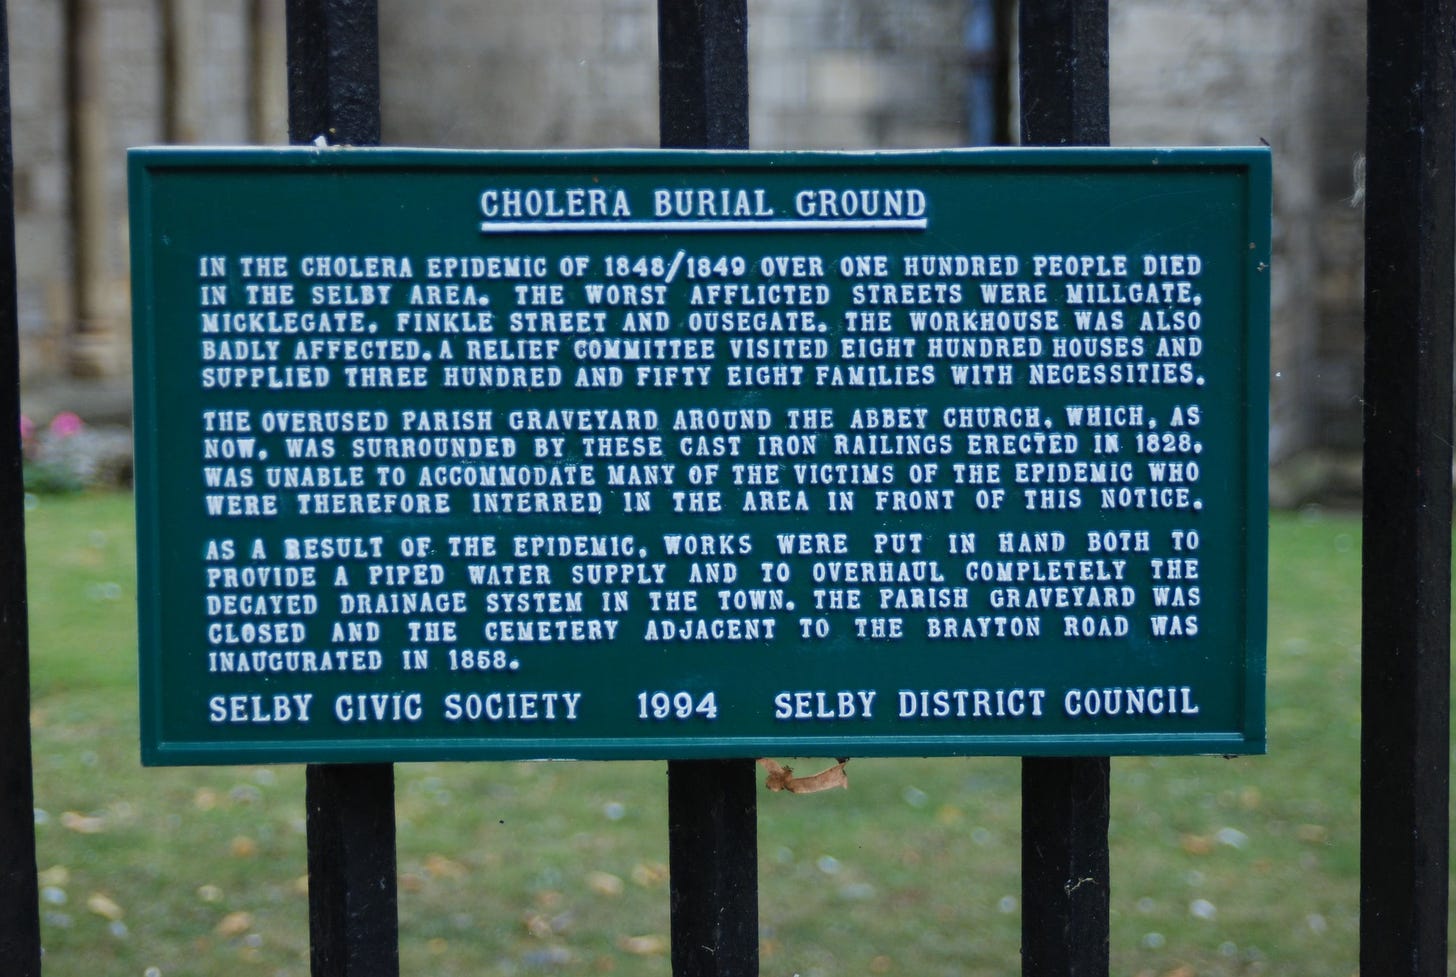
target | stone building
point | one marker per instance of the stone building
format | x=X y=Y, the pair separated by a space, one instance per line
x=1291 y=75
x=92 y=77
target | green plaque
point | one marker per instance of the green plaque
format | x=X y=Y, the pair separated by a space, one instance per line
x=458 y=455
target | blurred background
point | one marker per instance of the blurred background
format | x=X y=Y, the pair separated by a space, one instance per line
x=1220 y=867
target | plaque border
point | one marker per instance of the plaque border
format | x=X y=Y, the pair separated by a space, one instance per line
x=1253 y=164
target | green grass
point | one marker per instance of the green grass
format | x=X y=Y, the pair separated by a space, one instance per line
x=1220 y=867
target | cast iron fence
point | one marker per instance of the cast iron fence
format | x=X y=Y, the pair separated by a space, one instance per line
x=333 y=68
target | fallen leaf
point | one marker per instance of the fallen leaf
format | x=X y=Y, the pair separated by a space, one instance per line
x=243 y=847
x=209 y=893
x=1314 y=834
x=104 y=906
x=55 y=875
x=643 y=946
x=604 y=884
x=1232 y=837
x=82 y=824
x=782 y=778
x=648 y=874
x=1197 y=844
x=205 y=799
x=410 y=882
x=234 y=924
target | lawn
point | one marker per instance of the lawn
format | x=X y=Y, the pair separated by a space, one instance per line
x=1219 y=867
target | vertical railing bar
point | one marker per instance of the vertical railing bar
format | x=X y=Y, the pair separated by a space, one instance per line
x=1406 y=590
x=1006 y=126
x=333 y=92
x=19 y=891
x=712 y=805
x=712 y=828
x=333 y=72
x=1064 y=867
x=353 y=906
x=1064 y=73
x=1064 y=802
x=702 y=55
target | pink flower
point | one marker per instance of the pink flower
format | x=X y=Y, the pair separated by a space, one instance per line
x=65 y=424
x=27 y=427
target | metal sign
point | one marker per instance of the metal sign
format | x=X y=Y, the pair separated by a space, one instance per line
x=647 y=454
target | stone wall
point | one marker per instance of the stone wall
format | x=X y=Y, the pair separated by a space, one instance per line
x=42 y=173
x=85 y=88
x=519 y=73
x=1231 y=73
x=1338 y=286
x=541 y=73
x=118 y=82
x=857 y=74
